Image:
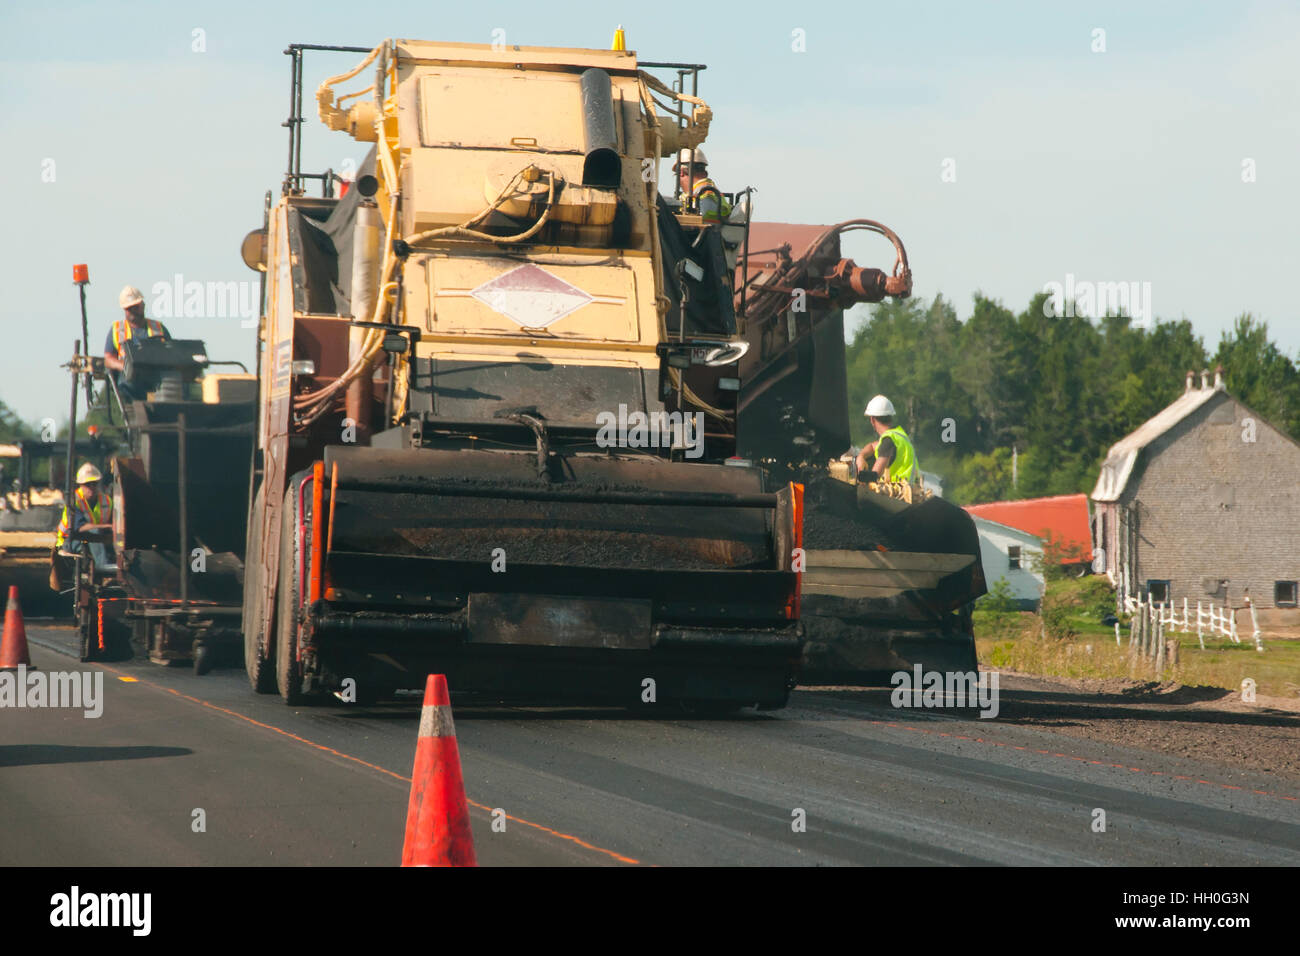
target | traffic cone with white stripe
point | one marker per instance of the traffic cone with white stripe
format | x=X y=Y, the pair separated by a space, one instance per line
x=13 y=643
x=437 y=820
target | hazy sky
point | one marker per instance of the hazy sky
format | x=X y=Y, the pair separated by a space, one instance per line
x=131 y=151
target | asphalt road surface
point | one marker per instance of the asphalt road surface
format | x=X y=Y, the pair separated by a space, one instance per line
x=329 y=785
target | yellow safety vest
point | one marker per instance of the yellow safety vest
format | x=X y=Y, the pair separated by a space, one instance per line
x=102 y=506
x=706 y=185
x=124 y=331
x=903 y=467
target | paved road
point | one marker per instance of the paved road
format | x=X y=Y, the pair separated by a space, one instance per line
x=329 y=785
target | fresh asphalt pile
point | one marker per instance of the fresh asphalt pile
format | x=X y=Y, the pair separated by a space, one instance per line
x=834 y=521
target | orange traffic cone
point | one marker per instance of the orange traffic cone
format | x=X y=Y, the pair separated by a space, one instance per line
x=437 y=820
x=13 y=644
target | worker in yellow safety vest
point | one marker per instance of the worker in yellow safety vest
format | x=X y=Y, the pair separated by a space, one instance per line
x=132 y=325
x=700 y=194
x=891 y=455
x=90 y=509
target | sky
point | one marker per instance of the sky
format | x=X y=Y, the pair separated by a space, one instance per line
x=1010 y=145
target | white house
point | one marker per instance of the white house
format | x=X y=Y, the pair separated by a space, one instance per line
x=1005 y=552
x=933 y=482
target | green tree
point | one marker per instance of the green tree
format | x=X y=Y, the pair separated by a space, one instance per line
x=907 y=351
x=992 y=366
x=982 y=477
x=1059 y=389
x=1143 y=371
x=1260 y=374
x=12 y=428
x=998 y=600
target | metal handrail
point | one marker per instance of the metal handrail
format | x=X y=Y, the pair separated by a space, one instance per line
x=294 y=176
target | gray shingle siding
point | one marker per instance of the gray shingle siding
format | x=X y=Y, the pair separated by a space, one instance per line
x=1209 y=506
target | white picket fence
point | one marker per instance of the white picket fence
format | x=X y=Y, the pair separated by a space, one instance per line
x=1209 y=617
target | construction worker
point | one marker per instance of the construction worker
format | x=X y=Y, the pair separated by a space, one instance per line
x=700 y=194
x=132 y=325
x=91 y=509
x=891 y=455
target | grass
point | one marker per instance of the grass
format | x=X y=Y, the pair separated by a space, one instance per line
x=1068 y=640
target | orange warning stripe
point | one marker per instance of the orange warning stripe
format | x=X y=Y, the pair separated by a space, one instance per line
x=317 y=538
x=334 y=487
x=797 y=490
x=558 y=834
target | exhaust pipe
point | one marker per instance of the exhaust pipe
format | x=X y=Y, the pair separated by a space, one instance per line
x=601 y=165
x=365 y=281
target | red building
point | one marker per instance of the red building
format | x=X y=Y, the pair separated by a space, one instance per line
x=1063 y=518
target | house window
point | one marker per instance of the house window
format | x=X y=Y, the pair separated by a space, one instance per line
x=1013 y=556
x=1284 y=593
x=1158 y=592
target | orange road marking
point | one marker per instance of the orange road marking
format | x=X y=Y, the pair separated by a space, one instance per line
x=365 y=763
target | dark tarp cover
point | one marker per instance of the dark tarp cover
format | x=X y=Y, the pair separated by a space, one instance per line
x=327 y=251
x=708 y=310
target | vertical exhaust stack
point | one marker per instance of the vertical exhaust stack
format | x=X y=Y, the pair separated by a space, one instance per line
x=365 y=278
x=600 y=165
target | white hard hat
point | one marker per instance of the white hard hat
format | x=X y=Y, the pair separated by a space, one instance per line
x=130 y=296
x=88 y=473
x=879 y=407
x=684 y=157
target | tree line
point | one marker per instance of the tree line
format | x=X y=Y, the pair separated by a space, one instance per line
x=12 y=428
x=1054 y=392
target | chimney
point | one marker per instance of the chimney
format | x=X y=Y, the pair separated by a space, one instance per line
x=1190 y=376
x=1205 y=379
x=1218 y=379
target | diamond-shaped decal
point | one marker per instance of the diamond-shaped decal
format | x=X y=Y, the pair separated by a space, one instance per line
x=531 y=296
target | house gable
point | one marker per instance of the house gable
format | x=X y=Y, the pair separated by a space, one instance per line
x=1214 y=513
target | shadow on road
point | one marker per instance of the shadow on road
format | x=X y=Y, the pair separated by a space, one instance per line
x=1024 y=707
x=27 y=755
